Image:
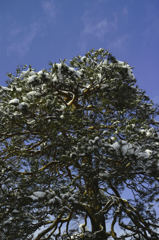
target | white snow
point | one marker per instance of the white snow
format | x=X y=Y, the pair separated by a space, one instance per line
x=62 y=116
x=99 y=76
x=23 y=105
x=51 y=201
x=33 y=197
x=142 y=131
x=124 y=146
x=16 y=113
x=146 y=154
x=83 y=58
x=54 y=78
x=124 y=149
x=31 y=73
x=15 y=211
x=41 y=72
x=78 y=73
x=149 y=133
x=30 y=122
x=127 y=148
x=31 y=78
x=59 y=65
x=121 y=63
x=18 y=89
x=39 y=194
x=31 y=94
x=25 y=99
x=125 y=65
x=8 y=220
x=112 y=138
x=104 y=86
x=104 y=175
x=62 y=107
x=105 y=62
x=130 y=73
x=87 y=85
x=46 y=74
x=71 y=69
x=23 y=73
x=5 y=88
x=115 y=146
x=96 y=138
x=14 y=101
x=43 y=86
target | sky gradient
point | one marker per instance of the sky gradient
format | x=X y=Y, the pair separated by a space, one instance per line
x=37 y=32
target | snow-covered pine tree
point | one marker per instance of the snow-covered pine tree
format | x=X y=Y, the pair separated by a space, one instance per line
x=78 y=143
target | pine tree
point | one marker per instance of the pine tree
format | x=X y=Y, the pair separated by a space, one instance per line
x=79 y=143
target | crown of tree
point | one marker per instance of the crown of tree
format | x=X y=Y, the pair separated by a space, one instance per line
x=79 y=143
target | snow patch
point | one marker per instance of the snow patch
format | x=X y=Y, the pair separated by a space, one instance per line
x=40 y=72
x=39 y=194
x=115 y=146
x=125 y=65
x=18 y=89
x=23 y=105
x=32 y=78
x=31 y=94
x=146 y=154
x=24 y=73
x=127 y=148
x=14 y=101
x=6 y=88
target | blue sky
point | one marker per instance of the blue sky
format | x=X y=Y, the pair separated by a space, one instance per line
x=36 y=32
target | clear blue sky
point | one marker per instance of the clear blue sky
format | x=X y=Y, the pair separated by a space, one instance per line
x=36 y=32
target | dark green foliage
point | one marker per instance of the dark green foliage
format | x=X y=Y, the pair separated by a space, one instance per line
x=74 y=140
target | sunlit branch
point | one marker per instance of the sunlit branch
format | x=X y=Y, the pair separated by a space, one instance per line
x=40 y=169
x=113 y=234
x=55 y=223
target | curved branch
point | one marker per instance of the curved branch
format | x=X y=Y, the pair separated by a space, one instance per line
x=113 y=234
x=54 y=224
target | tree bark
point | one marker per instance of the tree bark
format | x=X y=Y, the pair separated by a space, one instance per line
x=97 y=223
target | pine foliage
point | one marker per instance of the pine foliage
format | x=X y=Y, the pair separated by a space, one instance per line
x=79 y=142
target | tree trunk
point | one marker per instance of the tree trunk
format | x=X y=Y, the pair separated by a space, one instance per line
x=97 y=223
x=92 y=192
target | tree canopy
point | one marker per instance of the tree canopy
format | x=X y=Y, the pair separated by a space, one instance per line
x=79 y=145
